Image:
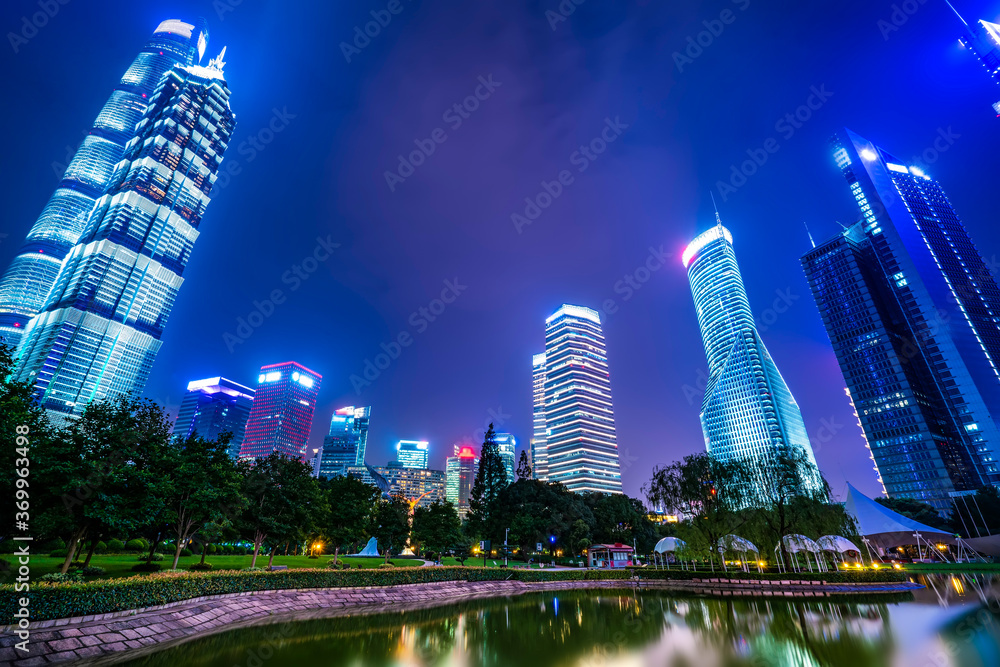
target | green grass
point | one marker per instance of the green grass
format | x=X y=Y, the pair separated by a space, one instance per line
x=951 y=567
x=120 y=565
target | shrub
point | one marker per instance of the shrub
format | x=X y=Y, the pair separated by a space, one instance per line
x=156 y=557
x=186 y=552
x=201 y=567
x=58 y=553
x=240 y=551
x=61 y=578
x=53 y=544
x=226 y=549
x=116 y=546
x=165 y=548
x=211 y=549
x=92 y=571
x=147 y=567
x=386 y=566
x=137 y=545
x=102 y=547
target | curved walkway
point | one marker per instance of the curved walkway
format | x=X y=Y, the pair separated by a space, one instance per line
x=121 y=636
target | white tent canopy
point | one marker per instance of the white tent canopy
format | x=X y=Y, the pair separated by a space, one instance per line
x=796 y=543
x=736 y=543
x=669 y=544
x=837 y=543
x=885 y=528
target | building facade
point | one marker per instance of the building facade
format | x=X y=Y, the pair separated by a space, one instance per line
x=102 y=323
x=912 y=311
x=581 y=445
x=412 y=453
x=460 y=476
x=212 y=407
x=983 y=39
x=420 y=485
x=347 y=442
x=507 y=444
x=33 y=271
x=539 y=454
x=748 y=413
x=282 y=413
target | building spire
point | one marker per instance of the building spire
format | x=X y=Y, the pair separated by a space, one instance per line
x=217 y=62
x=811 y=239
x=718 y=218
x=956 y=13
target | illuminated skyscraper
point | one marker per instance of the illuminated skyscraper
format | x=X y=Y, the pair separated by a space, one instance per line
x=581 y=446
x=32 y=273
x=748 y=412
x=282 y=411
x=102 y=323
x=412 y=453
x=983 y=39
x=345 y=446
x=913 y=313
x=539 y=454
x=421 y=484
x=212 y=407
x=507 y=445
x=460 y=476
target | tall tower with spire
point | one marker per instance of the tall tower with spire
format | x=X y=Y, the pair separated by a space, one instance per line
x=32 y=273
x=100 y=327
x=983 y=39
x=748 y=412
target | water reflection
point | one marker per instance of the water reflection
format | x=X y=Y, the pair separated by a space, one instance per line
x=955 y=621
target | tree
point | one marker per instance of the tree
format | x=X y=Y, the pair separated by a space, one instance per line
x=537 y=511
x=282 y=500
x=620 y=519
x=392 y=524
x=352 y=505
x=523 y=467
x=436 y=527
x=491 y=480
x=788 y=486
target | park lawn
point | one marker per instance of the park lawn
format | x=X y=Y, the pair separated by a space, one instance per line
x=120 y=565
x=952 y=567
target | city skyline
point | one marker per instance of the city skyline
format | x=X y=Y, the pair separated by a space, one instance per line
x=645 y=407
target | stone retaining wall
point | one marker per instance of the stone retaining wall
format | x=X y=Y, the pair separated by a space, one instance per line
x=120 y=636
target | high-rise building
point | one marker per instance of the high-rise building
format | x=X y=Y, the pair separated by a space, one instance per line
x=581 y=446
x=32 y=273
x=422 y=485
x=282 y=412
x=212 y=407
x=102 y=323
x=460 y=476
x=983 y=39
x=345 y=446
x=412 y=453
x=507 y=444
x=912 y=312
x=748 y=413
x=539 y=455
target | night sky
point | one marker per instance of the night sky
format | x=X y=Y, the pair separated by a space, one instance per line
x=344 y=124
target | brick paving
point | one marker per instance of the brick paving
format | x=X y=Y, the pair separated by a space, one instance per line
x=120 y=636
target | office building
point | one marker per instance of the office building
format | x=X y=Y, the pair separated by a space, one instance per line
x=32 y=273
x=912 y=312
x=539 y=455
x=282 y=413
x=983 y=39
x=460 y=477
x=581 y=445
x=412 y=453
x=346 y=444
x=420 y=486
x=212 y=407
x=748 y=413
x=507 y=445
x=102 y=324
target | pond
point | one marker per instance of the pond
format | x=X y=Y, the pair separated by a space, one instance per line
x=954 y=621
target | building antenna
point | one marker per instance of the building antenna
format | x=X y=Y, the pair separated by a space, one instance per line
x=811 y=240
x=956 y=13
x=718 y=218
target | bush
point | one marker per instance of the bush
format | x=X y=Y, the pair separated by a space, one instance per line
x=102 y=547
x=137 y=545
x=60 y=578
x=186 y=552
x=58 y=553
x=156 y=557
x=53 y=544
x=211 y=549
x=147 y=567
x=165 y=548
x=201 y=567
x=240 y=551
x=226 y=549
x=116 y=546
x=386 y=566
x=92 y=571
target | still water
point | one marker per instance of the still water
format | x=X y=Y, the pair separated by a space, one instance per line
x=954 y=621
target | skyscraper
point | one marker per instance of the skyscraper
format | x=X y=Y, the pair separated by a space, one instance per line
x=345 y=446
x=507 y=445
x=412 y=453
x=282 y=411
x=212 y=407
x=460 y=476
x=102 y=323
x=748 y=412
x=32 y=273
x=912 y=311
x=983 y=39
x=421 y=484
x=539 y=454
x=581 y=446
